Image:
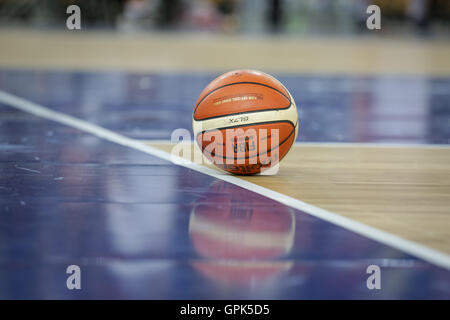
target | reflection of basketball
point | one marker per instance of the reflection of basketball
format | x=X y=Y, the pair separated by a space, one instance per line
x=240 y=237
x=245 y=121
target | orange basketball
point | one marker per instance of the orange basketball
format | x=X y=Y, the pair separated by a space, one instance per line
x=245 y=121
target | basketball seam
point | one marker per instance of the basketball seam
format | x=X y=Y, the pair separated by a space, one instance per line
x=248 y=124
x=242 y=113
x=243 y=82
x=267 y=151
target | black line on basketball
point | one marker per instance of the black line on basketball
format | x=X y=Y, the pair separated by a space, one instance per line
x=235 y=83
x=249 y=124
x=244 y=112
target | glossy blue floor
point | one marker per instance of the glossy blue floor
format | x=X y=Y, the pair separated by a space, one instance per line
x=142 y=227
x=331 y=109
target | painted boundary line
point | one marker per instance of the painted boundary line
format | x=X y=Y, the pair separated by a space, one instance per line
x=415 y=249
x=373 y=145
x=340 y=144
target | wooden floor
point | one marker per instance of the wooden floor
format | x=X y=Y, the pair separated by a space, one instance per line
x=169 y=52
x=402 y=190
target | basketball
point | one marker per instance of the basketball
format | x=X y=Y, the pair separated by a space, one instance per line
x=245 y=121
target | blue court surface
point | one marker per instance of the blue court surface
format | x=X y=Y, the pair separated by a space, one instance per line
x=141 y=227
x=399 y=109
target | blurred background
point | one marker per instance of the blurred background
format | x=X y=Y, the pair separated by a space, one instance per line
x=138 y=66
x=401 y=17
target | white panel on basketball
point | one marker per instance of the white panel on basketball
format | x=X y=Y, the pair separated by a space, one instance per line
x=248 y=118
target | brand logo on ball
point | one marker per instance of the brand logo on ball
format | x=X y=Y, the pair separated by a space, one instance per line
x=238 y=119
x=238 y=97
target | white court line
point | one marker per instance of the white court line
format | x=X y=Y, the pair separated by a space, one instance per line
x=341 y=144
x=373 y=145
x=415 y=249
